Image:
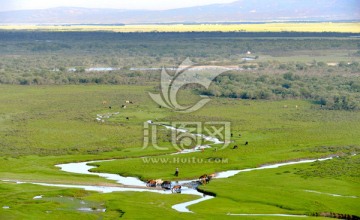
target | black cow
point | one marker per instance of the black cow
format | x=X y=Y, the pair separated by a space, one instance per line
x=166 y=185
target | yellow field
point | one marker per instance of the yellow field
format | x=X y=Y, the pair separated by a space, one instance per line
x=268 y=27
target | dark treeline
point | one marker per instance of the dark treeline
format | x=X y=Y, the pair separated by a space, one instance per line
x=83 y=35
x=47 y=58
x=194 y=44
x=329 y=91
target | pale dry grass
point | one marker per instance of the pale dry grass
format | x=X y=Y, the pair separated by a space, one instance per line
x=266 y=27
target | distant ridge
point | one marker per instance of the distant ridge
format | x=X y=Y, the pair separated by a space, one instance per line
x=238 y=11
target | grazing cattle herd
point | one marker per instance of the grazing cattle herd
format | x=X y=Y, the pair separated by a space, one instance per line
x=168 y=185
x=123 y=106
x=175 y=187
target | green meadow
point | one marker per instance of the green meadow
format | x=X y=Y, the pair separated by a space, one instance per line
x=296 y=98
x=57 y=124
x=286 y=190
x=65 y=204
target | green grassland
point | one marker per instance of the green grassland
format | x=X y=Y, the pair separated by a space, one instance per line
x=48 y=116
x=288 y=134
x=283 y=190
x=57 y=124
x=64 y=204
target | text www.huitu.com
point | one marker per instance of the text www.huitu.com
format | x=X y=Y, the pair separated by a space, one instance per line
x=191 y=160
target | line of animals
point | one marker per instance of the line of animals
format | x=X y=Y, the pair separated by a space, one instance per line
x=122 y=106
x=167 y=185
x=235 y=146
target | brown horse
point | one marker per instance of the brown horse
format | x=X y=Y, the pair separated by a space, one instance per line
x=204 y=179
x=176 y=189
x=151 y=183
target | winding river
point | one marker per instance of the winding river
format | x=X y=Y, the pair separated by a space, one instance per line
x=135 y=185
